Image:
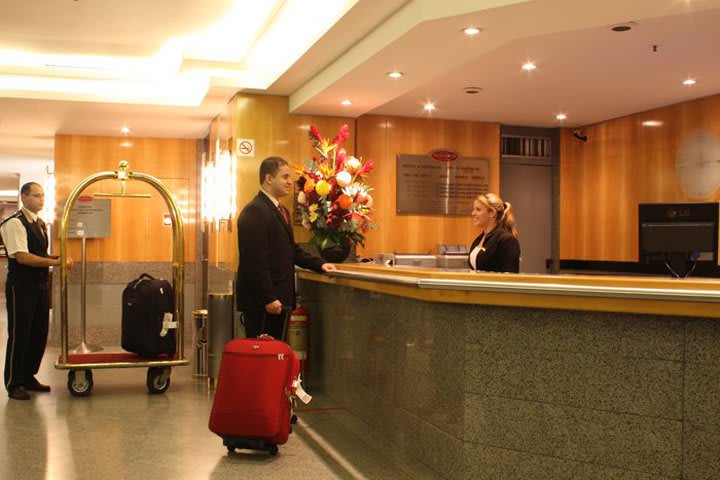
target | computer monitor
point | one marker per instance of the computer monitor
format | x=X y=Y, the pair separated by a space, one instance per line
x=678 y=234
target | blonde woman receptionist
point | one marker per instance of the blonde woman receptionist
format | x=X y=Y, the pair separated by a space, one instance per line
x=497 y=248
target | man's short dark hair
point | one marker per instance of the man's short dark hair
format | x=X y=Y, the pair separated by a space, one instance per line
x=25 y=190
x=271 y=165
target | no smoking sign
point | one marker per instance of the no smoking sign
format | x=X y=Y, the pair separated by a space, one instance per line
x=245 y=147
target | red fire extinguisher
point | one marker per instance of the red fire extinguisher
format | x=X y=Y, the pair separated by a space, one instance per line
x=299 y=334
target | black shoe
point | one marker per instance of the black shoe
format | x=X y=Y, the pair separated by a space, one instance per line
x=18 y=393
x=35 y=386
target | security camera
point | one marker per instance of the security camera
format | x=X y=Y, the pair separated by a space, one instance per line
x=578 y=135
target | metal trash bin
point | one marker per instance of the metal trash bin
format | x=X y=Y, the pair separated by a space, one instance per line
x=220 y=329
x=200 y=337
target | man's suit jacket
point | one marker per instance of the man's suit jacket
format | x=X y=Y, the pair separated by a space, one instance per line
x=268 y=255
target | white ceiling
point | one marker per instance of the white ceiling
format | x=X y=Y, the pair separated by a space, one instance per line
x=584 y=70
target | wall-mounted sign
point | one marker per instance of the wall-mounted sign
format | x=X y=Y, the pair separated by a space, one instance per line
x=245 y=147
x=167 y=220
x=90 y=218
x=440 y=183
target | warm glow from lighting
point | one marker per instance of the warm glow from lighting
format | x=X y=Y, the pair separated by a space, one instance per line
x=219 y=188
x=346 y=103
x=652 y=123
x=48 y=211
x=247 y=48
x=9 y=193
x=429 y=107
x=125 y=130
x=187 y=90
x=395 y=74
x=689 y=81
x=471 y=31
x=303 y=21
x=561 y=116
x=529 y=67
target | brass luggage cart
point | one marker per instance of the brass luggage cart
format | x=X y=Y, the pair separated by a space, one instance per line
x=81 y=364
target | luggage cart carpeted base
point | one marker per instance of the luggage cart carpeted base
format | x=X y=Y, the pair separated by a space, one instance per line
x=80 y=366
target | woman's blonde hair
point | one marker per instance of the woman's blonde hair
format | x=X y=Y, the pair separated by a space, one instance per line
x=505 y=216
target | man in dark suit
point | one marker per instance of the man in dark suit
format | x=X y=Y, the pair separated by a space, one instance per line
x=268 y=254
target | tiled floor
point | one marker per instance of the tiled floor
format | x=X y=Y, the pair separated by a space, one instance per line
x=121 y=432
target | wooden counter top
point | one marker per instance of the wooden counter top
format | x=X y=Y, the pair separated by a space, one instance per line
x=648 y=295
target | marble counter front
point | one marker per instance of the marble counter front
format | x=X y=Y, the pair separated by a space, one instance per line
x=480 y=381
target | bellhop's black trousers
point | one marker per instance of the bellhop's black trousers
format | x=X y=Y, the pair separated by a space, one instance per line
x=28 y=312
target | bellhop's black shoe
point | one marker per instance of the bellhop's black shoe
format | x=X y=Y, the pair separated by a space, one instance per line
x=18 y=393
x=35 y=386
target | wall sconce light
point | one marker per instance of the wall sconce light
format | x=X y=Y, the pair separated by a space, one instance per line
x=219 y=189
x=48 y=212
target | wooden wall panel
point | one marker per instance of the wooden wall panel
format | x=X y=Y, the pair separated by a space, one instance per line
x=266 y=119
x=623 y=164
x=137 y=234
x=382 y=138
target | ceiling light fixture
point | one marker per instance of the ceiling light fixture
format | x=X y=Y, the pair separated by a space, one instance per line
x=652 y=123
x=125 y=130
x=623 y=27
x=395 y=74
x=690 y=81
x=346 y=103
x=561 y=116
x=472 y=90
x=529 y=67
x=471 y=31
x=429 y=107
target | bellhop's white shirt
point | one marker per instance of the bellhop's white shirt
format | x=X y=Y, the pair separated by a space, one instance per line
x=14 y=234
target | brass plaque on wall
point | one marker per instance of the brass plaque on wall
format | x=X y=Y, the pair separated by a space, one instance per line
x=440 y=183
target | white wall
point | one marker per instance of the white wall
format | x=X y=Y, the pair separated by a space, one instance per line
x=30 y=169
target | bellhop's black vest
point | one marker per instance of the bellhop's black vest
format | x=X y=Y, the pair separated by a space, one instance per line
x=37 y=245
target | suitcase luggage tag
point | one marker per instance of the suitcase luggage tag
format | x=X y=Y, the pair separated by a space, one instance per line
x=167 y=324
x=300 y=393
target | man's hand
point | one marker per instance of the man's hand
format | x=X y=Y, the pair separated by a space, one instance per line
x=328 y=267
x=274 y=308
x=68 y=263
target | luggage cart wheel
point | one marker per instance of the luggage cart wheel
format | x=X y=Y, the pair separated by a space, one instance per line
x=158 y=380
x=80 y=382
x=293 y=420
x=273 y=450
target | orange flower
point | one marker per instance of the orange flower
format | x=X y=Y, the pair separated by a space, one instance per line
x=345 y=201
x=309 y=185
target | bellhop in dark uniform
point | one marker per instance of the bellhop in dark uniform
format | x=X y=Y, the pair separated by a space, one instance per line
x=268 y=254
x=27 y=293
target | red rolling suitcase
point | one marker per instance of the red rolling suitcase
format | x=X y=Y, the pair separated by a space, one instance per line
x=253 y=401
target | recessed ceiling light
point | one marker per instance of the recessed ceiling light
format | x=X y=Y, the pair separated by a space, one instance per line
x=472 y=90
x=429 y=107
x=652 y=123
x=529 y=67
x=689 y=81
x=623 y=27
x=346 y=103
x=471 y=31
x=395 y=74
x=561 y=116
x=125 y=130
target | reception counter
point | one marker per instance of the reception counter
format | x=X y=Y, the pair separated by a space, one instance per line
x=500 y=376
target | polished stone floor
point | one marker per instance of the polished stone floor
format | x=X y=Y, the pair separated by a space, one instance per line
x=121 y=432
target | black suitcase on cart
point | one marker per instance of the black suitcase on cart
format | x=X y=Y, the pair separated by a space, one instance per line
x=148 y=326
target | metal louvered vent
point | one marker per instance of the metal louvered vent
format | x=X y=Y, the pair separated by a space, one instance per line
x=513 y=146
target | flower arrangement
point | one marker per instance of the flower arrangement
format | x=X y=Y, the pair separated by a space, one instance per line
x=333 y=194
